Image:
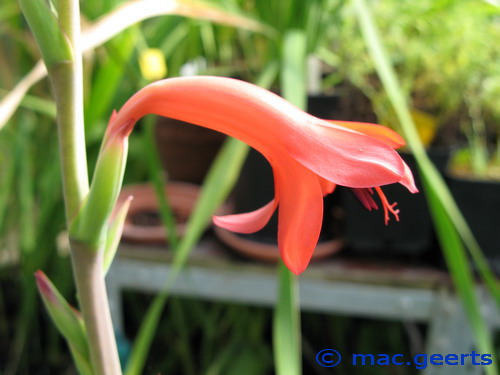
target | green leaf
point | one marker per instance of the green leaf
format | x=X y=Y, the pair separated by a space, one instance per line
x=82 y=364
x=54 y=46
x=449 y=221
x=286 y=319
x=111 y=72
x=114 y=234
x=293 y=81
x=286 y=325
x=159 y=180
x=220 y=180
x=65 y=318
x=217 y=185
x=107 y=27
x=91 y=223
x=463 y=278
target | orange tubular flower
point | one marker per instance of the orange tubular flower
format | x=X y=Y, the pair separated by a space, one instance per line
x=309 y=156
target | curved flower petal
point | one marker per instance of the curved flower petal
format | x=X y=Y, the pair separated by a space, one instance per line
x=249 y=222
x=300 y=214
x=327 y=187
x=382 y=133
x=360 y=161
x=389 y=137
x=408 y=181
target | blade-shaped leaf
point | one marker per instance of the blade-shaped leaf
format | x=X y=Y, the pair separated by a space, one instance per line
x=121 y=18
x=286 y=325
x=82 y=364
x=11 y=101
x=54 y=46
x=114 y=234
x=286 y=318
x=65 y=318
x=219 y=181
x=158 y=179
x=137 y=11
x=449 y=221
x=293 y=66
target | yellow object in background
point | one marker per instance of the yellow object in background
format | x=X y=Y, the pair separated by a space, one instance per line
x=426 y=126
x=152 y=64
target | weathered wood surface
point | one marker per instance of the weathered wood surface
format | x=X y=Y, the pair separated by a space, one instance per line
x=212 y=254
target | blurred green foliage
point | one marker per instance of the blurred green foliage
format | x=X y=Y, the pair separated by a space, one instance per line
x=447 y=67
x=446 y=58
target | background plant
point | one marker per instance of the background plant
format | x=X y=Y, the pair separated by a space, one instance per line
x=447 y=68
x=31 y=217
x=109 y=68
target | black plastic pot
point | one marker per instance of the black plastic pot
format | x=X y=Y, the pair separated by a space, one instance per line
x=412 y=236
x=479 y=202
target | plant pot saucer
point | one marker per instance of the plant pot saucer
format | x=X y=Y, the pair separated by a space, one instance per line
x=143 y=223
x=269 y=252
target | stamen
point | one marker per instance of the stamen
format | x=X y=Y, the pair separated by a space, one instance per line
x=387 y=206
x=364 y=196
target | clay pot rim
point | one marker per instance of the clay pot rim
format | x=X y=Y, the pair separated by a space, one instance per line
x=269 y=252
x=183 y=197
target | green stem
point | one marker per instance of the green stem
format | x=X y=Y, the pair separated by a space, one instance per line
x=89 y=277
x=67 y=79
x=286 y=319
x=71 y=138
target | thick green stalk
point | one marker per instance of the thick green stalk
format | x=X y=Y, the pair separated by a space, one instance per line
x=89 y=276
x=71 y=136
x=67 y=79
x=58 y=36
x=87 y=262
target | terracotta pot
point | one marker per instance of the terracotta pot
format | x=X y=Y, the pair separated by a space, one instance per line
x=269 y=252
x=186 y=150
x=143 y=223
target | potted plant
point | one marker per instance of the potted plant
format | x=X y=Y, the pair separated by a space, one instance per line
x=443 y=69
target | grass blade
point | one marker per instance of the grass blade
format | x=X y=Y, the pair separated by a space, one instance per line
x=286 y=318
x=293 y=80
x=286 y=325
x=219 y=181
x=449 y=222
x=11 y=101
x=158 y=179
x=120 y=19
x=136 y=11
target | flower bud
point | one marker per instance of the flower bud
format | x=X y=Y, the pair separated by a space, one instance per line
x=91 y=223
